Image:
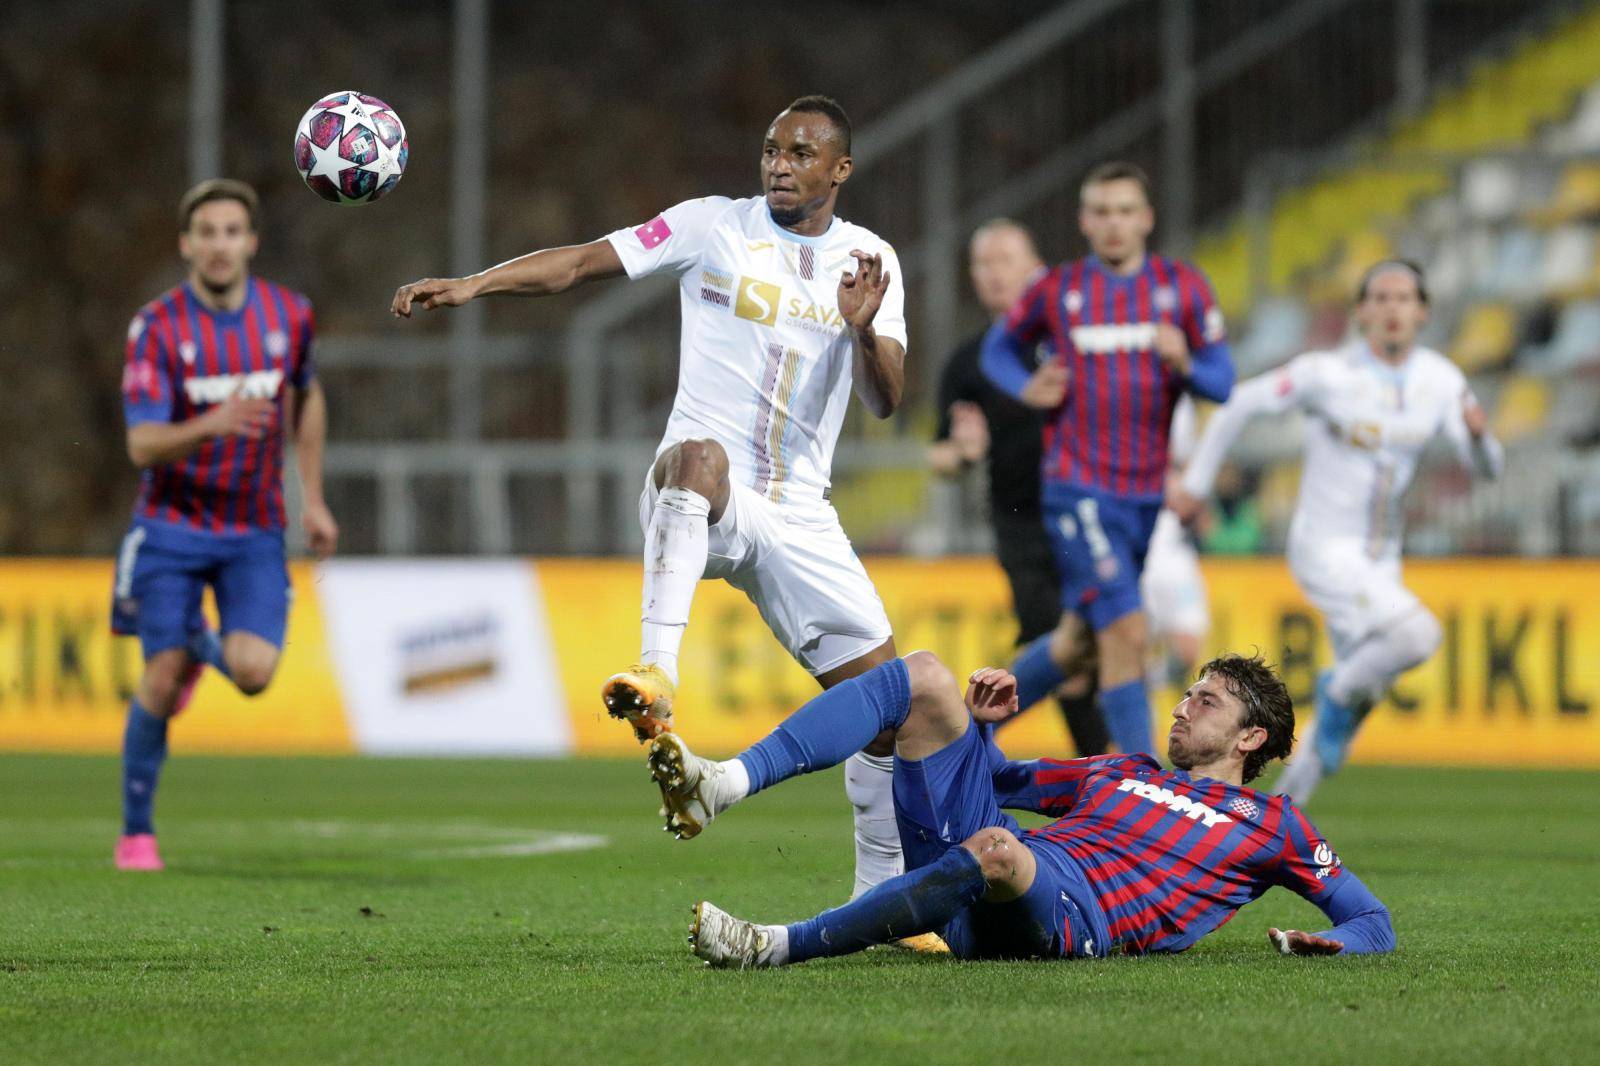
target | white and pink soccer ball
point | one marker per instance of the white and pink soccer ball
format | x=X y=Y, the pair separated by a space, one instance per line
x=351 y=148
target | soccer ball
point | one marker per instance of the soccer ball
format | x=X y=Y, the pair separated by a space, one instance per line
x=351 y=148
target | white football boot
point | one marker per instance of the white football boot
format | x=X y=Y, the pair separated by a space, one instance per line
x=693 y=790
x=730 y=943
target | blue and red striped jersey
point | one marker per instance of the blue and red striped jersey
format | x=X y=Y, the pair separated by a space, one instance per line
x=1171 y=856
x=182 y=359
x=1110 y=433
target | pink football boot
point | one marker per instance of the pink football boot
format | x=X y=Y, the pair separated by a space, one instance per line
x=137 y=851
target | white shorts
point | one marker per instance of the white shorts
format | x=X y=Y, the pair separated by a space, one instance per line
x=800 y=572
x=1171 y=586
x=1357 y=594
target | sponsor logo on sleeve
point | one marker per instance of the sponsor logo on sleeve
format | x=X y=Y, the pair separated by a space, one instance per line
x=1325 y=861
x=1215 y=329
x=654 y=232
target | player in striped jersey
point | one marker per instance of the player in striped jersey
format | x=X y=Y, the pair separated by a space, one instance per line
x=1135 y=331
x=1139 y=859
x=218 y=370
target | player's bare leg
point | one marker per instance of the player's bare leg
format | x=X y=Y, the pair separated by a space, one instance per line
x=692 y=493
x=251 y=661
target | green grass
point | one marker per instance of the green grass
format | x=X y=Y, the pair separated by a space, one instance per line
x=254 y=946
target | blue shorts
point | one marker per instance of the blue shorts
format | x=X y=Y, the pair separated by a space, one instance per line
x=162 y=571
x=1100 y=544
x=946 y=798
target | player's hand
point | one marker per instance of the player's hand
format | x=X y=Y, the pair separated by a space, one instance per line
x=1047 y=387
x=1294 y=942
x=322 y=532
x=1473 y=414
x=1187 y=506
x=969 y=430
x=861 y=293
x=992 y=694
x=240 y=417
x=432 y=293
x=1173 y=348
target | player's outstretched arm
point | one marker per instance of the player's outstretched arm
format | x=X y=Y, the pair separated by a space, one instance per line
x=541 y=273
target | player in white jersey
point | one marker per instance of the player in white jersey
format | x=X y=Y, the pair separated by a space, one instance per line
x=786 y=309
x=1172 y=587
x=1373 y=406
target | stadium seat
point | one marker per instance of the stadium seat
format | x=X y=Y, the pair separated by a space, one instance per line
x=1491 y=189
x=1569 y=261
x=1523 y=407
x=1485 y=339
x=1577 y=196
x=1576 y=342
x=1515 y=271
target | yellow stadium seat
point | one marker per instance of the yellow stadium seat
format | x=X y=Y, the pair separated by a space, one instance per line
x=1523 y=408
x=1485 y=338
x=1577 y=196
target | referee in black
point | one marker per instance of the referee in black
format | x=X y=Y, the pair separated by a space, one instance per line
x=977 y=422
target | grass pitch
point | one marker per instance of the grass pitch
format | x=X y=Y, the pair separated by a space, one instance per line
x=347 y=910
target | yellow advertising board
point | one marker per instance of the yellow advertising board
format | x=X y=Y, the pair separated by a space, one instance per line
x=1517 y=681
x=65 y=680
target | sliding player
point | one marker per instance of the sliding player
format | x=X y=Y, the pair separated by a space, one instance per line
x=218 y=371
x=1139 y=859
x=786 y=309
x=1373 y=406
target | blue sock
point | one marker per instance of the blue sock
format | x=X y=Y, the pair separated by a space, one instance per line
x=206 y=646
x=831 y=727
x=144 y=749
x=917 y=902
x=1037 y=674
x=1127 y=712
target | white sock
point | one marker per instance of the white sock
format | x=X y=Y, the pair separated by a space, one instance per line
x=737 y=777
x=777 y=944
x=1366 y=675
x=869 y=785
x=674 y=560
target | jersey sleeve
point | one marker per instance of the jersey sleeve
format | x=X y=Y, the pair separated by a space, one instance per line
x=1004 y=358
x=674 y=240
x=1296 y=384
x=1210 y=359
x=1483 y=455
x=1044 y=786
x=1309 y=868
x=146 y=376
x=890 y=320
x=304 y=369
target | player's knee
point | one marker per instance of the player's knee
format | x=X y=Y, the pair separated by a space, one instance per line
x=930 y=678
x=1419 y=636
x=160 y=684
x=252 y=676
x=999 y=854
x=697 y=464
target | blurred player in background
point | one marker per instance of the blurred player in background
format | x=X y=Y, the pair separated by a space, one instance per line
x=786 y=309
x=1374 y=405
x=979 y=422
x=1139 y=859
x=218 y=371
x=1134 y=330
x=1172 y=587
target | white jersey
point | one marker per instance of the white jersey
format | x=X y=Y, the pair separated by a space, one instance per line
x=1368 y=423
x=766 y=364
